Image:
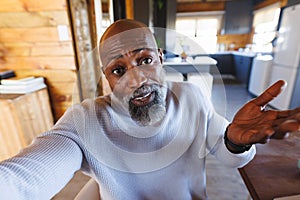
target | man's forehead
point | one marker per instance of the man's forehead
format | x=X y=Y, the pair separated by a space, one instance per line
x=127 y=41
x=121 y=26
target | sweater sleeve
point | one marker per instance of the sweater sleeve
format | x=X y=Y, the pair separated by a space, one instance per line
x=216 y=145
x=215 y=126
x=40 y=170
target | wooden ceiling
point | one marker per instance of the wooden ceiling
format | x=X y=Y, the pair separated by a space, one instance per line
x=181 y=1
x=217 y=5
x=188 y=5
x=206 y=5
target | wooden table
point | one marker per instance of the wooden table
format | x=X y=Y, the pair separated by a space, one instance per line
x=273 y=172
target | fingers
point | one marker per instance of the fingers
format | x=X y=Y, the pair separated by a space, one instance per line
x=284 y=117
x=286 y=123
x=263 y=133
x=270 y=93
x=260 y=136
x=287 y=113
x=289 y=126
x=241 y=134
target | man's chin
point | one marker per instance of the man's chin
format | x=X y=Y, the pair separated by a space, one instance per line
x=150 y=117
x=147 y=107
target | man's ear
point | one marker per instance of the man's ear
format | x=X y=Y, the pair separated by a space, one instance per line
x=160 y=54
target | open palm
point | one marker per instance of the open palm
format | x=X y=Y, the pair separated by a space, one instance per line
x=253 y=124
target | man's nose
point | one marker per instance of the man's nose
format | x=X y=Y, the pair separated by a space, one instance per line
x=136 y=77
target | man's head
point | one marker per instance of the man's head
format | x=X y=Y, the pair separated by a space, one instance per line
x=131 y=63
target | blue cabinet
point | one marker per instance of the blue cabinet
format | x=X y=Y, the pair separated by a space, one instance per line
x=242 y=65
x=224 y=63
x=238 y=64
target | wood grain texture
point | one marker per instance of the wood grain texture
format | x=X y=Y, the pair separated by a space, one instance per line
x=33 y=19
x=40 y=62
x=22 y=118
x=31 y=5
x=239 y=40
x=62 y=86
x=37 y=34
x=32 y=44
x=27 y=49
x=273 y=172
x=51 y=76
x=10 y=140
x=200 y=6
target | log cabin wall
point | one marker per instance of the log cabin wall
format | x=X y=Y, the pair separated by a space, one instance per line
x=35 y=40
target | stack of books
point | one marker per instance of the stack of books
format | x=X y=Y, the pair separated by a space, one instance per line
x=6 y=74
x=21 y=85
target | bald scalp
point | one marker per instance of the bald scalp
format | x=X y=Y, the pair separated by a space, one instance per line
x=121 y=26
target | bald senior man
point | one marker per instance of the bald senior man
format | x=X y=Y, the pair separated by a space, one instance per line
x=148 y=139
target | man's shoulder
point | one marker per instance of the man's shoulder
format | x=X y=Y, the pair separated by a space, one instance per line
x=180 y=84
x=183 y=87
x=91 y=103
x=189 y=93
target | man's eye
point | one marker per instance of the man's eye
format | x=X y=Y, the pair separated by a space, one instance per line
x=119 y=71
x=146 y=61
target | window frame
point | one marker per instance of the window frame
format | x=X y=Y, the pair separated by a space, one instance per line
x=197 y=16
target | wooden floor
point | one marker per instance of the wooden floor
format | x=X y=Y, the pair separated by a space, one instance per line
x=223 y=183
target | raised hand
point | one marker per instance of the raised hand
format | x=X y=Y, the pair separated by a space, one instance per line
x=253 y=124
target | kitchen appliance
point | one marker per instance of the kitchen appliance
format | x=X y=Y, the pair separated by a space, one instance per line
x=260 y=74
x=286 y=64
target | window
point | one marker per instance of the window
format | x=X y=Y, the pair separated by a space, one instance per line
x=200 y=28
x=105 y=22
x=265 y=24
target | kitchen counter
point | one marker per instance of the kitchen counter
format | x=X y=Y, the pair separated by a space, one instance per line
x=234 y=63
x=201 y=60
x=248 y=54
x=199 y=64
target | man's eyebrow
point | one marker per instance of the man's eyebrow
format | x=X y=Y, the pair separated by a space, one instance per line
x=141 y=49
x=117 y=57
x=138 y=50
x=134 y=51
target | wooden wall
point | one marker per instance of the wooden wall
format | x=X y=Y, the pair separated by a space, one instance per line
x=237 y=40
x=35 y=40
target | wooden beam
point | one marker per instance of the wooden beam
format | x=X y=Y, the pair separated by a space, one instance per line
x=266 y=3
x=105 y=8
x=200 y=6
x=129 y=9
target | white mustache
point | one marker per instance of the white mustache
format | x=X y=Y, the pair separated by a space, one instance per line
x=142 y=92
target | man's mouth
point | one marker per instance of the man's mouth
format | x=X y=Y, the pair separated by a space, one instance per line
x=143 y=99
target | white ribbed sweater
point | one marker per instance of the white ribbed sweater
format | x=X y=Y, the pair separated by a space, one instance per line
x=154 y=167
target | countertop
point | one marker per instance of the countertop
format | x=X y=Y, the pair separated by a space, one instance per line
x=249 y=53
x=200 y=60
